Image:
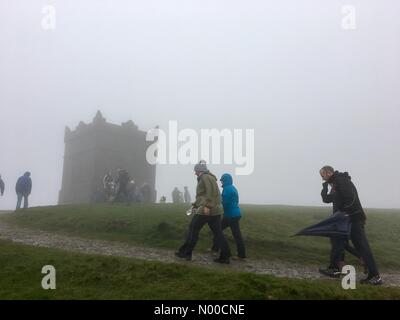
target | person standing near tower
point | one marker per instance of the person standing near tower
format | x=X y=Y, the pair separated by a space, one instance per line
x=107 y=185
x=187 y=197
x=122 y=192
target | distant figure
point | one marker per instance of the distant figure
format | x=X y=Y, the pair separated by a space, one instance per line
x=134 y=192
x=163 y=199
x=23 y=189
x=122 y=181
x=146 y=192
x=188 y=198
x=2 y=186
x=108 y=182
x=139 y=196
x=177 y=196
x=98 y=196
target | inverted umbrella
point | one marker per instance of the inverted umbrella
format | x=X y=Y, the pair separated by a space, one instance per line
x=337 y=225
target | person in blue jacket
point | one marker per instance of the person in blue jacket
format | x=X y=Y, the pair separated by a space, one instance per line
x=23 y=189
x=232 y=215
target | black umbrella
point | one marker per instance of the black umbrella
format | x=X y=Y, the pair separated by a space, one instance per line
x=337 y=225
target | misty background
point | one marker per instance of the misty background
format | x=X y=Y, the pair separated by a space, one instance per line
x=314 y=92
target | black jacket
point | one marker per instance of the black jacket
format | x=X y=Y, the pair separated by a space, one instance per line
x=344 y=196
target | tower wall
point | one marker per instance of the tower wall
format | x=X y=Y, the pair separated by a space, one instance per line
x=94 y=149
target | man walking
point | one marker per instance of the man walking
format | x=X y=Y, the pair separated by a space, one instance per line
x=339 y=244
x=207 y=211
x=23 y=189
x=345 y=199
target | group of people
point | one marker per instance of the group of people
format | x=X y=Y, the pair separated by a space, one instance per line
x=23 y=189
x=181 y=197
x=124 y=189
x=221 y=211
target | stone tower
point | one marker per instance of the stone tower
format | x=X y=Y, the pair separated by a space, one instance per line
x=96 y=148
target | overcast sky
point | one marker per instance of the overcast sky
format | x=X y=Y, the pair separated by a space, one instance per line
x=314 y=92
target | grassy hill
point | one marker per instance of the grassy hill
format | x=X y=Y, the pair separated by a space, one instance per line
x=82 y=276
x=267 y=230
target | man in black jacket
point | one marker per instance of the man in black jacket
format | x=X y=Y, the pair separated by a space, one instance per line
x=345 y=199
x=338 y=244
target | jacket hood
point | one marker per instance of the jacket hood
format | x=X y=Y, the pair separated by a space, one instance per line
x=340 y=175
x=207 y=172
x=226 y=180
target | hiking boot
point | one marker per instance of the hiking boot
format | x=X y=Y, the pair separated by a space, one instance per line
x=375 y=280
x=330 y=272
x=183 y=256
x=223 y=261
x=237 y=258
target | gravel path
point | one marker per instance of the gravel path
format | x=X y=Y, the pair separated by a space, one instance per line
x=111 y=248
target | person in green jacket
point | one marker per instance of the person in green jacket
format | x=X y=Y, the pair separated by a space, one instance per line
x=208 y=210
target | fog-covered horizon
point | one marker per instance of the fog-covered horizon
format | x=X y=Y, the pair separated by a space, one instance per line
x=314 y=93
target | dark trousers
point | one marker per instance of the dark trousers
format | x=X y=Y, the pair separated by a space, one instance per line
x=338 y=247
x=197 y=223
x=19 y=200
x=233 y=224
x=360 y=241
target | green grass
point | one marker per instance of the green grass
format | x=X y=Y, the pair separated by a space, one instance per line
x=267 y=230
x=81 y=276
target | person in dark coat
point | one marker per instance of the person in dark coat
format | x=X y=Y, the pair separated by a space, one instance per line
x=2 y=186
x=177 y=196
x=345 y=199
x=187 y=197
x=338 y=244
x=146 y=193
x=23 y=189
x=122 y=191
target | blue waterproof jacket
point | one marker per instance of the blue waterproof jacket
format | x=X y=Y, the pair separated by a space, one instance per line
x=230 y=197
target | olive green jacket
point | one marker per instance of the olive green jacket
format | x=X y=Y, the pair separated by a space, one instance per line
x=208 y=195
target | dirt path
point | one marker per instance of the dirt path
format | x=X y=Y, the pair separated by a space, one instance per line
x=111 y=248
